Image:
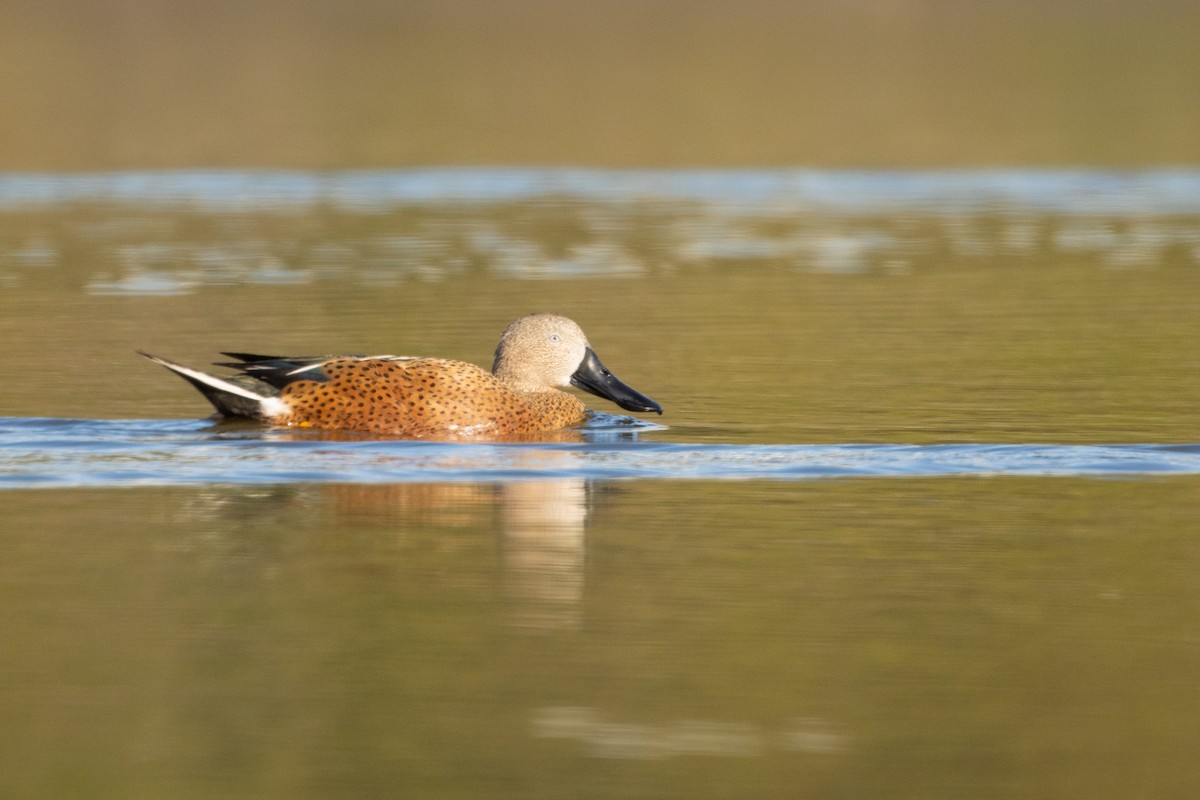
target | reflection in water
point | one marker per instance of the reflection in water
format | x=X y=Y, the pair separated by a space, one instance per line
x=541 y=525
x=640 y=740
x=174 y=233
x=543 y=530
x=273 y=641
x=683 y=238
x=403 y=506
x=143 y=282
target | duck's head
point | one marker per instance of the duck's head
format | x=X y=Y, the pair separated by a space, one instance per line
x=548 y=351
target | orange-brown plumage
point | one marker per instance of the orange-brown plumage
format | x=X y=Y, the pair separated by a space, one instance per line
x=426 y=397
x=422 y=397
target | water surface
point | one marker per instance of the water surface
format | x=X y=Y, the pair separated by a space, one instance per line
x=927 y=637
x=62 y=453
x=918 y=519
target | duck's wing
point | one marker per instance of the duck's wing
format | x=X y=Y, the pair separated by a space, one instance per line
x=279 y=371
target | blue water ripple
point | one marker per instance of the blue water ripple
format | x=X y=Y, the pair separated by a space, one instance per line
x=64 y=453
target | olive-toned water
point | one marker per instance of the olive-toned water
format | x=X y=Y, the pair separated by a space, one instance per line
x=922 y=518
x=560 y=633
x=911 y=638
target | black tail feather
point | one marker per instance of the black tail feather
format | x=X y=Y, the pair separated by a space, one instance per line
x=239 y=396
x=226 y=403
x=249 y=358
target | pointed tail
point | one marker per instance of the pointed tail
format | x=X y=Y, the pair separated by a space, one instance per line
x=230 y=399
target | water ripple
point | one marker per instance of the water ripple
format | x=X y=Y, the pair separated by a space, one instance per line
x=59 y=453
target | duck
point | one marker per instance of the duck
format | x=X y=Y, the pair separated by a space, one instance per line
x=419 y=397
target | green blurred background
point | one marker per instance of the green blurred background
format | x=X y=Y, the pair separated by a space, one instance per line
x=128 y=84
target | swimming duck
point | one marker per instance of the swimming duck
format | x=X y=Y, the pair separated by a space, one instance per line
x=424 y=397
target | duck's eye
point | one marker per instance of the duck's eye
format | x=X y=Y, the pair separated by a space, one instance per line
x=554 y=337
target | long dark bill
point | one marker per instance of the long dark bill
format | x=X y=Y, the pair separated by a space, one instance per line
x=592 y=376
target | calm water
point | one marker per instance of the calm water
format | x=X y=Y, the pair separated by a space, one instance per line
x=919 y=519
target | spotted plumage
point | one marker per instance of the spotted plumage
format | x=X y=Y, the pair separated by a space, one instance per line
x=424 y=397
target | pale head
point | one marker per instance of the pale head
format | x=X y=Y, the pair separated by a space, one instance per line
x=539 y=352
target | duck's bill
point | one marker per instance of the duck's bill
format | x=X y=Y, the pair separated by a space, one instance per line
x=592 y=376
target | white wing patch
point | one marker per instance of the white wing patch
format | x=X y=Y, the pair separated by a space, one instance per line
x=270 y=406
x=319 y=364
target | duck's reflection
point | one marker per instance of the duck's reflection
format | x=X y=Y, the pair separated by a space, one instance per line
x=543 y=526
x=540 y=528
x=405 y=507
